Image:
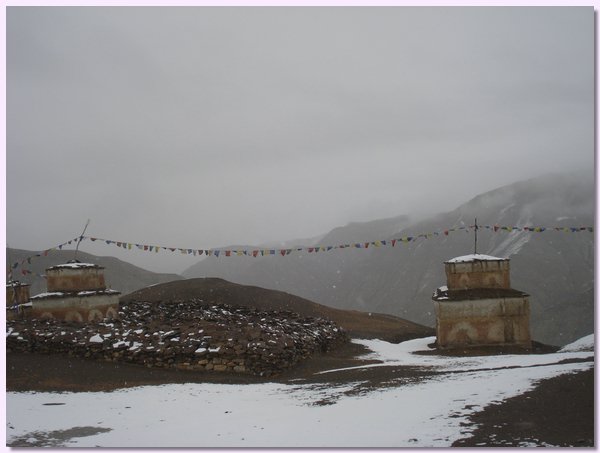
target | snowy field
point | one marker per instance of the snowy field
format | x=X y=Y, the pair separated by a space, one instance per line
x=430 y=413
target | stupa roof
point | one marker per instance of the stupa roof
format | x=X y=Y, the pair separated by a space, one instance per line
x=475 y=257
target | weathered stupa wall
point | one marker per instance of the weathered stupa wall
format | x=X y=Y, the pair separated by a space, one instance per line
x=478 y=274
x=65 y=279
x=488 y=321
x=76 y=292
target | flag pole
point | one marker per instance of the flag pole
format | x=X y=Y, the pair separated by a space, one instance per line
x=79 y=241
x=476 y=228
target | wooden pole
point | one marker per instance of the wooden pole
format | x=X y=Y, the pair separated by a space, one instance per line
x=79 y=241
x=476 y=228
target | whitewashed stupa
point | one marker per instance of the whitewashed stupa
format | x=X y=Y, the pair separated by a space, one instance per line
x=76 y=292
x=477 y=307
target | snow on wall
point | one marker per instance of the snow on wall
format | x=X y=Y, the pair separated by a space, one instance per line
x=474 y=257
x=75 y=266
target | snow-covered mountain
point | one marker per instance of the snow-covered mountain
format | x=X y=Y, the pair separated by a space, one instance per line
x=555 y=267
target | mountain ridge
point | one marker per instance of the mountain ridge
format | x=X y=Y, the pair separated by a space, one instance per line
x=400 y=280
x=119 y=275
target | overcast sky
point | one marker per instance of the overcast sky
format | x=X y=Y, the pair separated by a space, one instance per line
x=199 y=127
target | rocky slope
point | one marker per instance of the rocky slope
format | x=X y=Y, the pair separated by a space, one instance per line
x=208 y=325
x=189 y=335
x=217 y=291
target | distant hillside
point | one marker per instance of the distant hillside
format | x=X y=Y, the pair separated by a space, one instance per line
x=119 y=275
x=555 y=268
x=218 y=291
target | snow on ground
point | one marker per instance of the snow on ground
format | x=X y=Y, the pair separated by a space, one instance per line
x=583 y=344
x=404 y=354
x=429 y=413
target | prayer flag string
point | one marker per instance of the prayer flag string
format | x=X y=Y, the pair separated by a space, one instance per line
x=256 y=251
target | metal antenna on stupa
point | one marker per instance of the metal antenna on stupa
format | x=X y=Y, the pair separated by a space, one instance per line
x=79 y=240
x=476 y=228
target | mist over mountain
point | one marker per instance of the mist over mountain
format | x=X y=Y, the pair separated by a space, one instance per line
x=555 y=267
x=119 y=275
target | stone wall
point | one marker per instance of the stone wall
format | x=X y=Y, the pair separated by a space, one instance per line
x=187 y=335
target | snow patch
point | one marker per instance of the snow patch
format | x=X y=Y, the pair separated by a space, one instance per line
x=583 y=344
x=474 y=257
x=43 y=295
x=96 y=339
x=135 y=345
x=75 y=266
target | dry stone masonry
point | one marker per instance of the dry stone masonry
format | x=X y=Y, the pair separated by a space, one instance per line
x=187 y=335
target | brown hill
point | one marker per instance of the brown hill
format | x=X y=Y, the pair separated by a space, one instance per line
x=217 y=291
